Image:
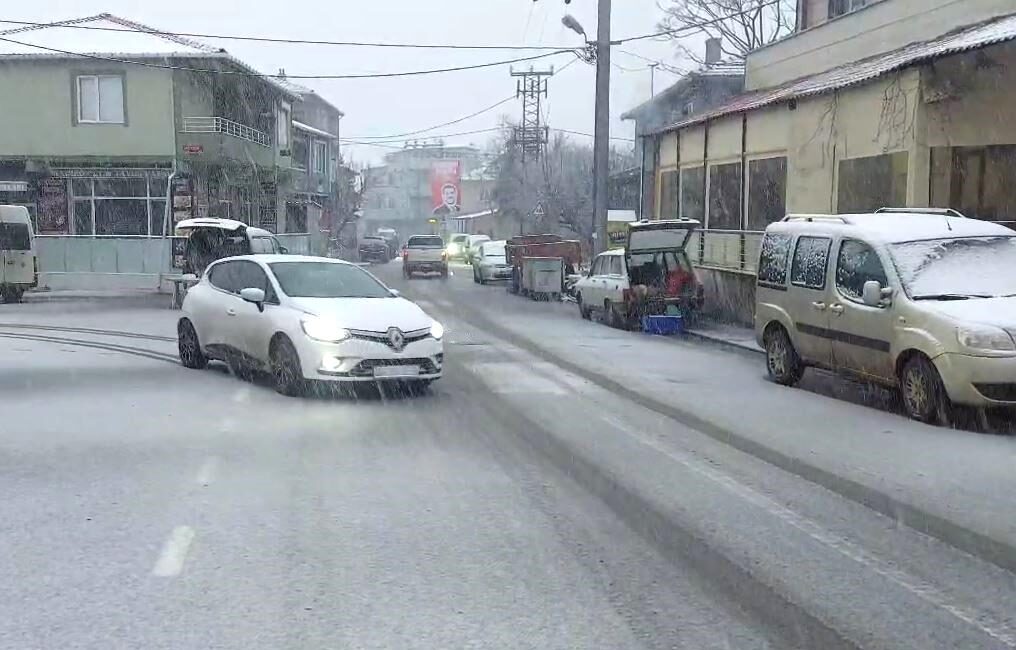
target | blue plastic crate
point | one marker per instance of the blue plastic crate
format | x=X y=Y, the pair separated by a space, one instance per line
x=663 y=325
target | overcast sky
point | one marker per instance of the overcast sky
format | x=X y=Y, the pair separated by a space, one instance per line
x=379 y=107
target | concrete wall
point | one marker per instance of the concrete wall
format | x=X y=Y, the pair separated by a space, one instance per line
x=878 y=28
x=37 y=103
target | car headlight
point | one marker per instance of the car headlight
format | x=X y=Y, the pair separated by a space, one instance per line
x=436 y=330
x=985 y=338
x=322 y=329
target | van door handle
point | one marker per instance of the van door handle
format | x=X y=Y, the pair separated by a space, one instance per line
x=836 y=309
x=231 y=312
x=819 y=305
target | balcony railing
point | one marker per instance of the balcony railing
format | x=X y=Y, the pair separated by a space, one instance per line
x=228 y=127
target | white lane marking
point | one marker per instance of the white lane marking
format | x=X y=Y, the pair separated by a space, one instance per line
x=207 y=472
x=512 y=377
x=174 y=552
x=986 y=623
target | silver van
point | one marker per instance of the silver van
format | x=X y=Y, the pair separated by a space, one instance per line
x=922 y=300
x=19 y=265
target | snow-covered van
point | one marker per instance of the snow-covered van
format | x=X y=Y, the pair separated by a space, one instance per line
x=920 y=299
x=19 y=265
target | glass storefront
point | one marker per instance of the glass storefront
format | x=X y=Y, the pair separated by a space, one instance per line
x=118 y=206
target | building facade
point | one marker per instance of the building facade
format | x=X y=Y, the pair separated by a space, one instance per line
x=905 y=107
x=399 y=194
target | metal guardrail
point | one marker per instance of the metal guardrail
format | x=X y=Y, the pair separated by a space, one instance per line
x=228 y=127
x=734 y=250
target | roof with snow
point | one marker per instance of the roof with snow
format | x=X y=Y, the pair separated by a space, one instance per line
x=727 y=69
x=893 y=228
x=112 y=38
x=991 y=32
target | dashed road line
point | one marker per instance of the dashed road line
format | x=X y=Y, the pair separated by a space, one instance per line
x=174 y=553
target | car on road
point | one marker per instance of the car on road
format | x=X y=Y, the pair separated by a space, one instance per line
x=456 y=248
x=919 y=300
x=19 y=265
x=305 y=319
x=206 y=239
x=490 y=263
x=424 y=254
x=472 y=246
x=653 y=272
x=374 y=250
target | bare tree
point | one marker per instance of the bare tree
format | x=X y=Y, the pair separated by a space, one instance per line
x=741 y=25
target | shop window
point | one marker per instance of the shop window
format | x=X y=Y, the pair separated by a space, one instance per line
x=668 y=195
x=118 y=206
x=693 y=205
x=866 y=184
x=724 y=197
x=767 y=192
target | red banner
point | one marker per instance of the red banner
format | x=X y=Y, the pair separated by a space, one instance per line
x=445 y=187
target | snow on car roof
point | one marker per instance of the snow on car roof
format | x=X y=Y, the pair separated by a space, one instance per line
x=210 y=222
x=270 y=258
x=893 y=228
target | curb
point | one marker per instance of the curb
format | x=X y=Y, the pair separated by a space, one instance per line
x=989 y=549
x=724 y=342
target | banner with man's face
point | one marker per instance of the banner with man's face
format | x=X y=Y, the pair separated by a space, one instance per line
x=445 y=186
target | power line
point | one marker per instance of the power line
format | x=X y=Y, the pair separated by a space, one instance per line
x=436 y=126
x=242 y=73
x=288 y=41
x=475 y=132
x=699 y=25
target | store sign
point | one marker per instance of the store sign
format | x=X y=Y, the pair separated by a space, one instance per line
x=193 y=149
x=104 y=172
x=13 y=186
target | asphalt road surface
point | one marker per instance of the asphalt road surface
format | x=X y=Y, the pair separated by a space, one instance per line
x=515 y=505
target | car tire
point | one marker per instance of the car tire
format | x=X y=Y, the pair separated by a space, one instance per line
x=406 y=273
x=922 y=392
x=614 y=319
x=783 y=364
x=189 y=346
x=585 y=312
x=287 y=375
x=444 y=273
x=12 y=295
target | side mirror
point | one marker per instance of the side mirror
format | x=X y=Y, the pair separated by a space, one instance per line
x=872 y=293
x=254 y=295
x=395 y=293
x=283 y=250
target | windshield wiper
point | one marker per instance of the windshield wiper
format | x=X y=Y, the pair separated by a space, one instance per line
x=949 y=296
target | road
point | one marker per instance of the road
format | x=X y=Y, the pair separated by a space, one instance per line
x=518 y=504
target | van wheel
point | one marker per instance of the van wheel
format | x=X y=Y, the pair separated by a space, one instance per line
x=924 y=395
x=584 y=311
x=782 y=361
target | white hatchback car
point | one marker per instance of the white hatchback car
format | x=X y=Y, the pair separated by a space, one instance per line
x=307 y=318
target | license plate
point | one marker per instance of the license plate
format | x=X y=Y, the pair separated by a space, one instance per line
x=396 y=371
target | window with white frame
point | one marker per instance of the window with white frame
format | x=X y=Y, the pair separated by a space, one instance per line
x=118 y=206
x=840 y=7
x=100 y=99
x=320 y=157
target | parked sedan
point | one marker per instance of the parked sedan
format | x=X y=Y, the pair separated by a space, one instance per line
x=490 y=264
x=307 y=318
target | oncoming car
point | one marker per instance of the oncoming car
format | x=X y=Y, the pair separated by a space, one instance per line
x=307 y=318
x=923 y=300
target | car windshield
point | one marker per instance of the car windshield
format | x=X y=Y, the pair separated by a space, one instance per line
x=957 y=268
x=327 y=280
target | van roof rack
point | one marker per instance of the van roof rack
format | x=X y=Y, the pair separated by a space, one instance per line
x=816 y=217
x=942 y=212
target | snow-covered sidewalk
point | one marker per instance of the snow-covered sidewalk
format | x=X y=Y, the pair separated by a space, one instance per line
x=956 y=485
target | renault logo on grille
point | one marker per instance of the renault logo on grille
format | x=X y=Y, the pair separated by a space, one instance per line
x=396 y=339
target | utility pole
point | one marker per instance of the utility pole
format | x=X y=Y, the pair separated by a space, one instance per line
x=601 y=130
x=642 y=162
x=652 y=79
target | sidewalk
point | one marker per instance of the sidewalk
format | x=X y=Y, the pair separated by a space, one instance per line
x=88 y=295
x=725 y=333
x=952 y=484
